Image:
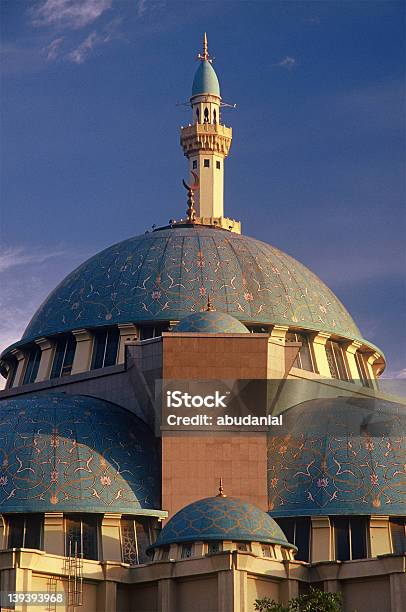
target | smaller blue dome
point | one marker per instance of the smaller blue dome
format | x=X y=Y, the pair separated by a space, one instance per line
x=221 y=518
x=211 y=322
x=205 y=80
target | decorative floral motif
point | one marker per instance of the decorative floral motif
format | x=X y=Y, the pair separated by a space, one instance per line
x=341 y=456
x=246 y=278
x=62 y=452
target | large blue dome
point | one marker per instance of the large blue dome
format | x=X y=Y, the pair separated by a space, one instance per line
x=167 y=274
x=339 y=456
x=61 y=452
x=221 y=518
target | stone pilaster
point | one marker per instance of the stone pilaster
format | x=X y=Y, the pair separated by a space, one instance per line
x=110 y=533
x=21 y=364
x=379 y=536
x=321 y=539
x=319 y=350
x=83 y=352
x=54 y=533
x=47 y=353
x=128 y=333
x=350 y=350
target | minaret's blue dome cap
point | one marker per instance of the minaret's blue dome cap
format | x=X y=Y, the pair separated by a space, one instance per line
x=205 y=80
x=221 y=518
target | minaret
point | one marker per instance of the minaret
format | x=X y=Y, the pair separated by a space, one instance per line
x=206 y=143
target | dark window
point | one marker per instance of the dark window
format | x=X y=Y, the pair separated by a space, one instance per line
x=213 y=547
x=194 y=164
x=165 y=553
x=11 y=374
x=336 y=360
x=266 y=550
x=362 y=371
x=398 y=535
x=214 y=116
x=206 y=115
x=105 y=347
x=31 y=370
x=218 y=165
x=297 y=532
x=152 y=331
x=349 y=537
x=304 y=359
x=242 y=546
x=135 y=539
x=64 y=354
x=207 y=163
x=197 y=114
x=186 y=551
x=25 y=531
x=81 y=536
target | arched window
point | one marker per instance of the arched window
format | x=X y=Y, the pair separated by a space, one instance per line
x=350 y=537
x=135 y=539
x=336 y=360
x=297 y=532
x=214 y=116
x=304 y=359
x=63 y=357
x=206 y=115
x=25 y=531
x=197 y=115
x=32 y=367
x=105 y=348
x=81 y=536
x=362 y=371
x=398 y=535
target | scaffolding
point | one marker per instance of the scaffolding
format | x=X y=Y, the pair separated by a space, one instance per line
x=74 y=569
x=51 y=589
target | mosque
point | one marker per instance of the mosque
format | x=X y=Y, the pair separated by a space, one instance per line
x=104 y=510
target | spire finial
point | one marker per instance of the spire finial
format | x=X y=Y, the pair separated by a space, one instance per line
x=205 y=57
x=210 y=307
x=221 y=489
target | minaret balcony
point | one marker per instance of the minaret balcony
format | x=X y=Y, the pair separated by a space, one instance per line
x=207 y=137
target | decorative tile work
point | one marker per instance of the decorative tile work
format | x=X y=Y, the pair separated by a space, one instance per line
x=211 y=323
x=339 y=456
x=168 y=274
x=75 y=453
x=221 y=518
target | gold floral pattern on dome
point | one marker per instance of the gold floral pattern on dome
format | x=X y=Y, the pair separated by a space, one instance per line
x=167 y=274
x=339 y=456
x=75 y=453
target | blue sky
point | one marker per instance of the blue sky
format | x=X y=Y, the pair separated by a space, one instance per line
x=90 y=149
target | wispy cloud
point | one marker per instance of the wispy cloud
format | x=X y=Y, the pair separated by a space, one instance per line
x=141 y=7
x=69 y=14
x=95 y=39
x=287 y=62
x=17 y=256
x=52 y=50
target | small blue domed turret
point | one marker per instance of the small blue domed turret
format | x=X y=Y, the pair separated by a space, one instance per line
x=205 y=80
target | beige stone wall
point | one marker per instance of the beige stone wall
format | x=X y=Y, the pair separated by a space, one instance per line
x=260 y=587
x=199 y=595
x=367 y=595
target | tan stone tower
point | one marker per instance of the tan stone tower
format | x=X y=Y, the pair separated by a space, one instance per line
x=206 y=142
